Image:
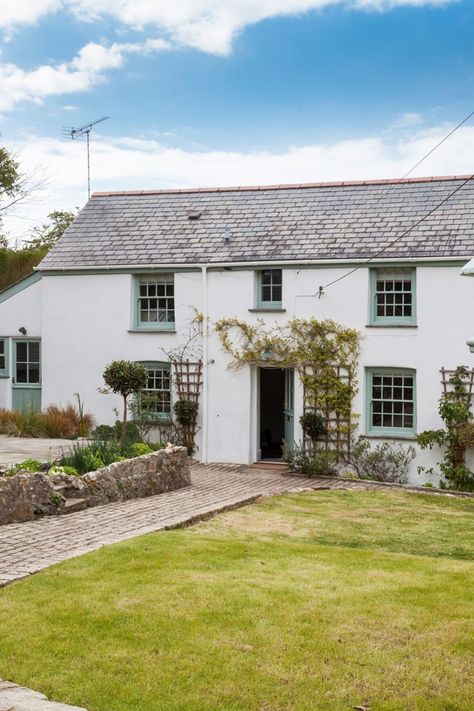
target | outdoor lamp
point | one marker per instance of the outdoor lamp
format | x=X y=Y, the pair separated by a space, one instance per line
x=470 y=343
x=267 y=354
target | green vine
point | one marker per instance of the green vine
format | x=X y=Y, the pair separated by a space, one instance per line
x=324 y=354
x=454 y=408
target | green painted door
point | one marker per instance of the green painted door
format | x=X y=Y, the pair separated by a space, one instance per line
x=288 y=411
x=26 y=382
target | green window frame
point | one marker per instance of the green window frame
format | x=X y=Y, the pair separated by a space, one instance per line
x=158 y=391
x=154 y=302
x=269 y=288
x=391 y=401
x=4 y=361
x=392 y=296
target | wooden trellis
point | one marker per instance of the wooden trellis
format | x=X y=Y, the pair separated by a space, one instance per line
x=467 y=378
x=188 y=383
x=337 y=437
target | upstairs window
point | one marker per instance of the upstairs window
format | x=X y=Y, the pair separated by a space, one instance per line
x=154 y=302
x=392 y=296
x=269 y=288
x=3 y=357
x=391 y=401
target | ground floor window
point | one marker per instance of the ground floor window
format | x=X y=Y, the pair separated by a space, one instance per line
x=156 y=397
x=391 y=401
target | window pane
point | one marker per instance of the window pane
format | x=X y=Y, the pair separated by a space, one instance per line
x=276 y=293
x=21 y=373
x=33 y=374
x=392 y=401
x=22 y=352
x=393 y=293
x=156 y=300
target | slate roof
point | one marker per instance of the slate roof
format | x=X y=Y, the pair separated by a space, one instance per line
x=350 y=220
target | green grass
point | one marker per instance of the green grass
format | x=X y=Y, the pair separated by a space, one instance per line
x=315 y=601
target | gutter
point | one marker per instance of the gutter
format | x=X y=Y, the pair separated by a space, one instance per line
x=333 y=263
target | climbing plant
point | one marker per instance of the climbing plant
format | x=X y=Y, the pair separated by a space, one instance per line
x=454 y=408
x=186 y=362
x=324 y=354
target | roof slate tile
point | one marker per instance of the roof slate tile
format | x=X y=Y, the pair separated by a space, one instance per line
x=270 y=223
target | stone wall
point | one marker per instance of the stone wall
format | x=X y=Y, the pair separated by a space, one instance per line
x=24 y=497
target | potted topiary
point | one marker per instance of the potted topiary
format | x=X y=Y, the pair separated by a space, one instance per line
x=313 y=426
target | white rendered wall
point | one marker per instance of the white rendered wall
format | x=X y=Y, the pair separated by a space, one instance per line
x=22 y=309
x=85 y=321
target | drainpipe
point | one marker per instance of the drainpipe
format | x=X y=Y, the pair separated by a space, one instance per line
x=205 y=365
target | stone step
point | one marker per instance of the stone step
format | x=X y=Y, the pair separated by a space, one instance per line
x=72 y=505
x=60 y=488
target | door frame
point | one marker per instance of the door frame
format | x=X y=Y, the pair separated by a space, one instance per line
x=255 y=449
x=25 y=386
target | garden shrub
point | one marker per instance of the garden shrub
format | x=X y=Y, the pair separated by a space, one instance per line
x=313 y=425
x=132 y=433
x=310 y=461
x=30 y=465
x=139 y=449
x=104 y=432
x=386 y=461
x=57 y=469
x=185 y=411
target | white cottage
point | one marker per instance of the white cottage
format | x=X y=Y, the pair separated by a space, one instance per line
x=125 y=279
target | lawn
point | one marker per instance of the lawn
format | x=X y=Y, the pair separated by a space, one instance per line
x=314 y=601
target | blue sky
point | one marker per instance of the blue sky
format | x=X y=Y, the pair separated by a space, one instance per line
x=233 y=91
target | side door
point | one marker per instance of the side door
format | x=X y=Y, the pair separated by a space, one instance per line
x=288 y=411
x=26 y=375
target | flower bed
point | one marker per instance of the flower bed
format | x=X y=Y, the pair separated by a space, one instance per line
x=27 y=495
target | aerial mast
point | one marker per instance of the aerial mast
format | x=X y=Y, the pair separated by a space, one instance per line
x=80 y=133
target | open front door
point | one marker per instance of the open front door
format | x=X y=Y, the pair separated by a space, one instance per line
x=289 y=406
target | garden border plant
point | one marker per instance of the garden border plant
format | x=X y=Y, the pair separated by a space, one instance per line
x=454 y=407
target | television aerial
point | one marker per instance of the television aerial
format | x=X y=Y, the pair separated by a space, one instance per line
x=80 y=132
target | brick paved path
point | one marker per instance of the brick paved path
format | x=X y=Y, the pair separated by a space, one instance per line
x=26 y=548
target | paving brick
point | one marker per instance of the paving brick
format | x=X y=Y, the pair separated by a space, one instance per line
x=27 y=548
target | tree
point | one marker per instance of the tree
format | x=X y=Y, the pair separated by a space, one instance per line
x=18 y=262
x=48 y=234
x=10 y=177
x=15 y=185
x=125 y=378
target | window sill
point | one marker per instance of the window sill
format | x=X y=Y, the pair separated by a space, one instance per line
x=270 y=310
x=152 y=330
x=4 y=375
x=391 y=325
x=404 y=437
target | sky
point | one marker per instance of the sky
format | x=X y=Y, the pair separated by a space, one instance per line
x=231 y=92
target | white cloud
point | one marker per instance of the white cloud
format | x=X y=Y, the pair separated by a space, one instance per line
x=211 y=25
x=207 y=25
x=26 y=12
x=81 y=74
x=407 y=120
x=141 y=164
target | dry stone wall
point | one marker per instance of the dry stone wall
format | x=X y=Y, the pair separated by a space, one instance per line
x=25 y=497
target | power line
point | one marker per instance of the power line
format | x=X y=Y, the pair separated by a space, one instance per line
x=384 y=195
x=397 y=239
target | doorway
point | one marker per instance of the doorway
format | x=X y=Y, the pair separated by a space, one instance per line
x=276 y=411
x=26 y=381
